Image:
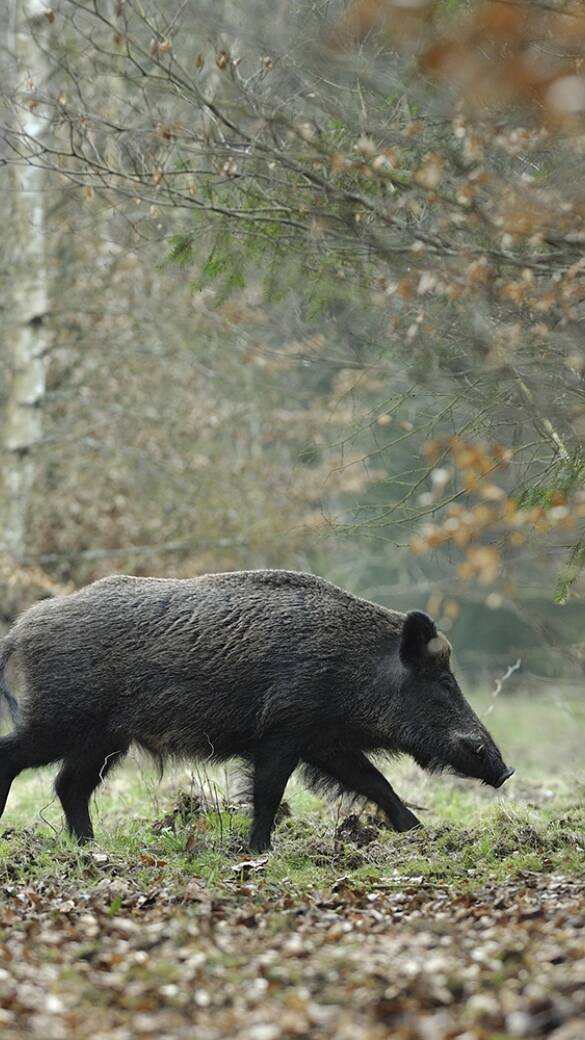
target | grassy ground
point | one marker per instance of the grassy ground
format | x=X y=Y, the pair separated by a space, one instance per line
x=194 y=818
x=168 y=897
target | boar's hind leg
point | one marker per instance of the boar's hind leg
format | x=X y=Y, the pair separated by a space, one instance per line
x=354 y=772
x=20 y=750
x=273 y=765
x=75 y=785
x=9 y=766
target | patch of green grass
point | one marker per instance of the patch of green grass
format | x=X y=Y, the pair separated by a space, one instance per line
x=149 y=837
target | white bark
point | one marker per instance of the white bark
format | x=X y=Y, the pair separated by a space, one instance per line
x=25 y=350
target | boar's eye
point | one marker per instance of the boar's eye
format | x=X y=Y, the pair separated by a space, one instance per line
x=446 y=681
x=476 y=747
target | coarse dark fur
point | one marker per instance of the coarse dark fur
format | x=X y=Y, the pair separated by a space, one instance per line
x=276 y=667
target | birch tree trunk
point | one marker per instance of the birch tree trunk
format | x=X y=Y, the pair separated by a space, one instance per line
x=26 y=333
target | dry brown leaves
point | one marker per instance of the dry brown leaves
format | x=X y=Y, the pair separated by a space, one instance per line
x=489 y=510
x=495 y=53
x=356 y=962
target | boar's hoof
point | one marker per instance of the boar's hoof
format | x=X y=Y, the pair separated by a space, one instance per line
x=259 y=844
x=407 y=821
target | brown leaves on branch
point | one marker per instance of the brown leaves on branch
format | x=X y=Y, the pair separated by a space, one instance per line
x=402 y=21
x=489 y=512
x=515 y=54
x=502 y=53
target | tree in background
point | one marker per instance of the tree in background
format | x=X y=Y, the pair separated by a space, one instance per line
x=373 y=217
x=26 y=278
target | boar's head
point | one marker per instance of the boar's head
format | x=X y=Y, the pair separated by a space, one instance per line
x=438 y=727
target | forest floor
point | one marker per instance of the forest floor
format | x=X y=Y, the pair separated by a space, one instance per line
x=473 y=928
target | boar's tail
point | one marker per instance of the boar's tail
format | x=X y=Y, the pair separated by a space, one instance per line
x=6 y=649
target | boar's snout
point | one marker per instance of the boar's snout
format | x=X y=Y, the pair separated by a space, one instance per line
x=479 y=757
x=503 y=777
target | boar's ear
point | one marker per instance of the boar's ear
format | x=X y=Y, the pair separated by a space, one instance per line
x=417 y=632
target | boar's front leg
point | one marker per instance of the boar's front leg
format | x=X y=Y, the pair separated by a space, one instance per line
x=354 y=772
x=273 y=765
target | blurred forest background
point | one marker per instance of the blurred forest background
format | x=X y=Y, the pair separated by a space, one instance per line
x=300 y=285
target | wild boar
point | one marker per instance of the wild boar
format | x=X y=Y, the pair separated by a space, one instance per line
x=275 y=667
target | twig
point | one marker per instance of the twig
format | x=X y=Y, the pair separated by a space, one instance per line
x=500 y=682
